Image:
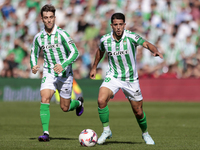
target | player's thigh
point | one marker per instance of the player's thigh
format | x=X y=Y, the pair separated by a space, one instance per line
x=46 y=95
x=65 y=88
x=48 y=87
x=132 y=90
x=104 y=94
x=111 y=86
x=48 y=82
x=108 y=89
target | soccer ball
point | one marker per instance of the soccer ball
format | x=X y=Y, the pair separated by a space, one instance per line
x=88 y=137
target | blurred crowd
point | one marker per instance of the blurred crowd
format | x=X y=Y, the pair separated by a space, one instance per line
x=172 y=25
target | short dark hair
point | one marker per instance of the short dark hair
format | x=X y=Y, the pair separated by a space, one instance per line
x=48 y=7
x=117 y=16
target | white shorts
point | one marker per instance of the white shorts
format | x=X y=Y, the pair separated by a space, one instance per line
x=130 y=89
x=63 y=85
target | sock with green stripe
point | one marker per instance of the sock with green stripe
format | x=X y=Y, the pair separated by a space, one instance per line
x=74 y=104
x=45 y=116
x=143 y=123
x=104 y=116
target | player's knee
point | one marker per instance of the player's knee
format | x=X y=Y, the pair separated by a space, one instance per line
x=101 y=103
x=139 y=114
x=45 y=100
x=64 y=108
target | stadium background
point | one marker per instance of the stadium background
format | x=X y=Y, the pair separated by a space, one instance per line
x=173 y=26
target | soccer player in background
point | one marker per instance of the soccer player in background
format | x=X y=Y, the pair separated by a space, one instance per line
x=59 y=53
x=120 y=46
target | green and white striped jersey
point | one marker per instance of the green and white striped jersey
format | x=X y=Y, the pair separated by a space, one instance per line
x=58 y=48
x=122 y=55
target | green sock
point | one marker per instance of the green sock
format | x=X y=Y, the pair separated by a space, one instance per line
x=73 y=104
x=143 y=123
x=104 y=116
x=45 y=116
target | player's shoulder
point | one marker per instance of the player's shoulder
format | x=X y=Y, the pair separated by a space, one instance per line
x=62 y=31
x=132 y=35
x=129 y=33
x=38 y=35
x=105 y=37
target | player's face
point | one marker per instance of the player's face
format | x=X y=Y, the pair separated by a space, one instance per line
x=118 y=26
x=48 y=20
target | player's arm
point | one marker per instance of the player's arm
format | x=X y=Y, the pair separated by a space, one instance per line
x=73 y=55
x=35 y=50
x=152 y=48
x=98 y=57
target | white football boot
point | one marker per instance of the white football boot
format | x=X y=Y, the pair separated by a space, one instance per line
x=105 y=135
x=147 y=138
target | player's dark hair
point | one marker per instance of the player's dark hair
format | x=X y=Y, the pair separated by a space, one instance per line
x=48 y=7
x=117 y=16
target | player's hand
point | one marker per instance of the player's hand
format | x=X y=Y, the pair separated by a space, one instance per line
x=58 y=68
x=158 y=54
x=35 y=69
x=92 y=74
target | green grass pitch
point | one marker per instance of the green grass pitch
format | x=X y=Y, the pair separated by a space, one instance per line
x=173 y=126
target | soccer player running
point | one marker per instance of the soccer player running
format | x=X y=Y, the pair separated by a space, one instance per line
x=59 y=53
x=120 y=46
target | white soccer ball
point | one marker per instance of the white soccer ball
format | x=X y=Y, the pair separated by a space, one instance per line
x=88 y=137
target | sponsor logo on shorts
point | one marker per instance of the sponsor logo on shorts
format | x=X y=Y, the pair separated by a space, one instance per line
x=137 y=93
x=67 y=91
x=107 y=79
x=118 y=53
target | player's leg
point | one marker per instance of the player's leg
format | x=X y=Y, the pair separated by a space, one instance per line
x=133 y=93
x=71 y=104
x=66 y=103
x=46 y=95
x=141 y=119
x=139 y=114
x=104 y=96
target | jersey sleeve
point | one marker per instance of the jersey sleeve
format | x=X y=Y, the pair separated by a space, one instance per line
x=70 y=46
x=101 y=46
x=138 y=39
x=35 y=50
x=135 y=38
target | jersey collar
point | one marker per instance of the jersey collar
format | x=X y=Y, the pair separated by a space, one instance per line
x=54 y=30
x=123 y=36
